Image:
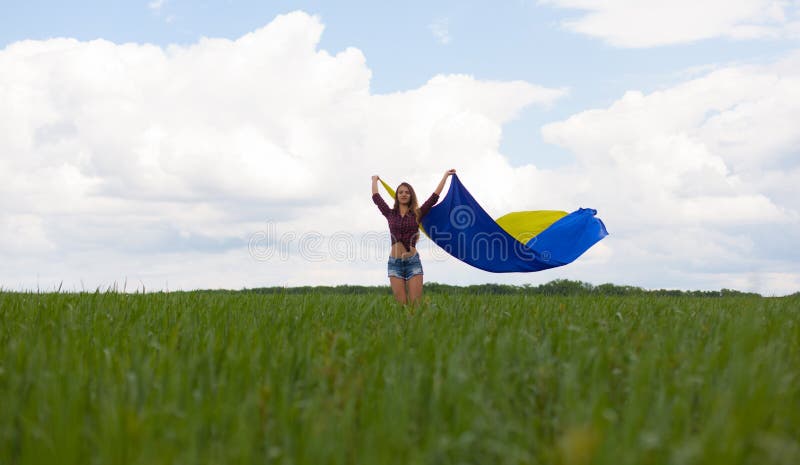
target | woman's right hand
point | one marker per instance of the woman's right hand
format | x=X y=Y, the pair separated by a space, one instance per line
x=375 y=178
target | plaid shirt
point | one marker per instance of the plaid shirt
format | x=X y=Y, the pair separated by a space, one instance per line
x=404 y=229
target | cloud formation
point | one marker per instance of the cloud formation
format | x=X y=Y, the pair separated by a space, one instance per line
x=160 y=166
x=139 y=150
x=651 y=23
x=156 y=5
x=440 y=30
x=698 y=177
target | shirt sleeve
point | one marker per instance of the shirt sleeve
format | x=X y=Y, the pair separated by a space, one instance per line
x=385 y=210
x=426 y=207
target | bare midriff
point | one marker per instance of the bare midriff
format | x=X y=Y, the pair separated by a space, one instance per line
x=399 y=251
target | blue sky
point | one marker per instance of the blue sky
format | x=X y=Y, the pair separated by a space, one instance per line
x=607 y=62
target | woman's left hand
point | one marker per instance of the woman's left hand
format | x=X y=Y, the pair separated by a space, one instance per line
x=449 y=172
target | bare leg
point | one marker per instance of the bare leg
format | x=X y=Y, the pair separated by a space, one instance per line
x=398 y=289
x=415 y=289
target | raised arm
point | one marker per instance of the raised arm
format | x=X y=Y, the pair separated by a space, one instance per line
x=376 y=197
x=444 y=178
x=426 y=207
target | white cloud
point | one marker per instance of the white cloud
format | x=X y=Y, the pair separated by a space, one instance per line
x=156 y=5
x=112 y=151
x=159 y=165
x=649 y=23
x=440 y=30
x=700 y=175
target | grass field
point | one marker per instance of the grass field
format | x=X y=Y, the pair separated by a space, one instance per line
x=319 y=378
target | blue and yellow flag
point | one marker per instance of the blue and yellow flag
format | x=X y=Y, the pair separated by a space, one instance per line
x=516 y=242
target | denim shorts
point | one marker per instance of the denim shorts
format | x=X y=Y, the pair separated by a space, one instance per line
x=405 y=268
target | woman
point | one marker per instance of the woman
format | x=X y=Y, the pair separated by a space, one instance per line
x=404 y=219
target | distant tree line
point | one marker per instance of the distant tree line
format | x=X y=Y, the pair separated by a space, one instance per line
x=561 y=287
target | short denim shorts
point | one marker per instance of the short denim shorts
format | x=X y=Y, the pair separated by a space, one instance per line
x=405 y=268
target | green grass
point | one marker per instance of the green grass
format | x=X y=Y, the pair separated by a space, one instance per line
x=318 y=378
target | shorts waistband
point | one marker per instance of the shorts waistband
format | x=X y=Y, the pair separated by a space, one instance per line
x=400 y=259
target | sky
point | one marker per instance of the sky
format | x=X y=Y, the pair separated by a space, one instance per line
x=167 y=144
